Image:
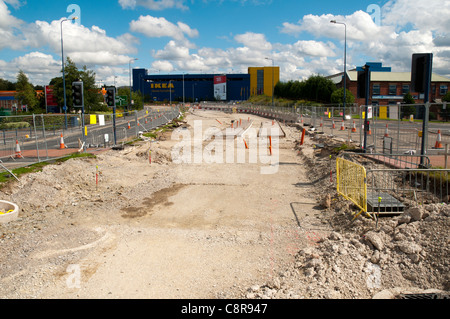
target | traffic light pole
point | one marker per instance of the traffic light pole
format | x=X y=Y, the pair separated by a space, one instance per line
x=366 y=115
x=427 y=82
x=114 y=125
x=111 y=102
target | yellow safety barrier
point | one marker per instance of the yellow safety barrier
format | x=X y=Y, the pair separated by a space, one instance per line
x=351 y=184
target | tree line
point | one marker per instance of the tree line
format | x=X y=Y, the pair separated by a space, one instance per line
x=316 y=89
x=26 y=92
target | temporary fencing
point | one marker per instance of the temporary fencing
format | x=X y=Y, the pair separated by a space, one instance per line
x=49 y=136
x=387 y=184
x=351 y=183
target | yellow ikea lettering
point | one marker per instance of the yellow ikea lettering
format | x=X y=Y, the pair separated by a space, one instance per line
x=162 y=86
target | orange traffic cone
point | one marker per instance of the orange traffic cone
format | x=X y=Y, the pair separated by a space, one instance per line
x=343 y=126
x=129 y=125
x=321 y=122
x=386 y=133
x=61 y=144
x=354 y=127
x=334 y=124
x=18 y=152
x=439 y=140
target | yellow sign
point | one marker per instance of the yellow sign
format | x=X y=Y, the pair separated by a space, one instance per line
x=93 y=119
x=162 y=86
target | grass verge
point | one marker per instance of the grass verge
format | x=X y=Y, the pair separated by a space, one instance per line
x=5 y=177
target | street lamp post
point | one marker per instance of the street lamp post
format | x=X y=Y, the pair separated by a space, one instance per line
x=345 y=62
x=129 y=68
x=63 y=69
x=273 y=80
x=170 y=90
x=184 y=102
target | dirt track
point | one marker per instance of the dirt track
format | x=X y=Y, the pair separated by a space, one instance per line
x=159 y=230
x=212 y=230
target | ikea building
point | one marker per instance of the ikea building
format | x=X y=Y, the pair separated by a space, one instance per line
x=205 y=87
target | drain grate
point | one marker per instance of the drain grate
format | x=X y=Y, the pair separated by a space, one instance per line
x=424 y=296
x=388 y=204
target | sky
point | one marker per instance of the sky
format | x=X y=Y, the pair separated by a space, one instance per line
x=218 y=36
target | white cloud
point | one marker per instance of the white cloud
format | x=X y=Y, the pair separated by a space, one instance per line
x=406 y=27
x=153 y=4
x=430 y=15
x=14 y=3
x=39 y=67
x=8 y=24
x=256 y=41
x=172 y=51
x=313 y=48
x=153 y=27
x=81 y=44
x=163 y=66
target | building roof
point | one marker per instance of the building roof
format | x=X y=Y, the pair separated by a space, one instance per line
x=394 y=77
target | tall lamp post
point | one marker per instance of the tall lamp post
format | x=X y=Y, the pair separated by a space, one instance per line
x=129 y=68
x=345 y=62
x=273 y=80
x=63 y=69
x=170 y=90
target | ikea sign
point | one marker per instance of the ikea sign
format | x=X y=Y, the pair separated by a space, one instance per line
x=162 y=85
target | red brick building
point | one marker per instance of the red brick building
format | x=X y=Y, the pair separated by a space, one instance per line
x=387 y=88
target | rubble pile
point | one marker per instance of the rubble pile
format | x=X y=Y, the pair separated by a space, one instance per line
x=398 y=255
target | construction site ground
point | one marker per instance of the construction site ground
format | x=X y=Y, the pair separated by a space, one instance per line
x=151 y=228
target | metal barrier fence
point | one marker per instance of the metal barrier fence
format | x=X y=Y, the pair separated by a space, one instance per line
x=394 y=172
x=34 y=138
x=391 y=130
x=391 y=182
x=351 y=183
x=398 y=186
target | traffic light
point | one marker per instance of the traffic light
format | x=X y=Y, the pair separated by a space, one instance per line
x=367 y=126
x=77 y=94
x=363 y=82
x=420 y=71
x=110 y=97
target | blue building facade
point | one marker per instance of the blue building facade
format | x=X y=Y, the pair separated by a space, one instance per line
x=190 y=87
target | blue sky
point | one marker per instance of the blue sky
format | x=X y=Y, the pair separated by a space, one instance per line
x=219 y=36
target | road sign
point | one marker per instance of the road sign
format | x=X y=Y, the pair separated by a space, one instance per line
x=121 y=100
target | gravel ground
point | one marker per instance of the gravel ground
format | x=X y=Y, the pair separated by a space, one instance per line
x=158 y=229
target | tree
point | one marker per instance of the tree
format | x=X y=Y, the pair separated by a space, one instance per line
x=6 y=85
x=92 y=96
x=25 y=93
x=316 y=88
x=445 y=113
x=135 y=96
x=408 y=109
x=446 y=97
x=338 y=97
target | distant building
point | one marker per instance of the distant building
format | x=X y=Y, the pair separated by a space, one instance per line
x=205 y=87
x=8 y=101
x=389 y=88
x=263 y=80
